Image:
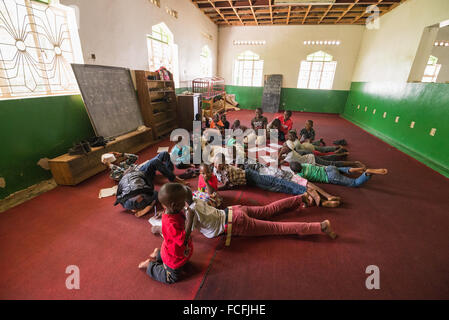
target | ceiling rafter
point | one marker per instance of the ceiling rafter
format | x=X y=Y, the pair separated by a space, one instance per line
x=360 y=16
x=252 y=10
x=218 y=11
x=307 y=13
x=347 y=10
x=235 y=11
x=258 y=12
x=325 y=14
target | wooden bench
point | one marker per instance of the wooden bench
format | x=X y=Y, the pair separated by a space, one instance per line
x=70 y=170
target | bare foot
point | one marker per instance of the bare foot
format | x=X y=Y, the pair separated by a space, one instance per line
x=330 y=204
x=145 y=211
x=153 y=256
x=377 y=171
x=144 y=264
x=327 y=229
x=307 y=200
x=356 y=170
x=360 y=165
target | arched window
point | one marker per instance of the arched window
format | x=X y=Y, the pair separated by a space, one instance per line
x=317 y=72
x=248 y=70
x=206 y=62
x=163 y=52
x=432 y=70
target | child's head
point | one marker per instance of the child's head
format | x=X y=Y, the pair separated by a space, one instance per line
x=296 y=167
x=172 y=197
x=220 y=161
x=287 y=114
x=216 y=117
x=205 y=170
x=276 y=123
x=259 y=112
x=292 y=136
x=197 y=117
x=236 y=124
x=189 y=197
x=108 y=158
x=284 y=150
x=309 y=124
x=223 y=117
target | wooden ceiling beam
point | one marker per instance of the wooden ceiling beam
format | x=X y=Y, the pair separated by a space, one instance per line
x=235 y=11
x=360 y=16
x=252 y=10
x=307 y=13
x=347 y=10
x=325 y=14
x=218 y=11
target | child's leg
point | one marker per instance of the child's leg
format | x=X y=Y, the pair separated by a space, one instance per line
x=269 y=211
x=326 y=149
x=273 y=184
x=243 y=225
x=159 y=272
x=335 y=177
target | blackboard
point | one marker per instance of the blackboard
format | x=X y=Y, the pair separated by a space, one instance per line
x=110 y=99
x=272 y=93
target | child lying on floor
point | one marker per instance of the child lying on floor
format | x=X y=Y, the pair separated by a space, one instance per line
x=135 y=191
x=288 y=155
x=165 y=265
x=294 y=144
x=251 y=221
x=208 y=187
x=333 y=175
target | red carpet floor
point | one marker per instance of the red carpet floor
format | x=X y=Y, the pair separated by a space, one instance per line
x=71 y=226
x=398 y=222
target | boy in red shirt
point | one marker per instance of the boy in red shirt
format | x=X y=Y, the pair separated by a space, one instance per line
x=165 y=265
x=286 y=125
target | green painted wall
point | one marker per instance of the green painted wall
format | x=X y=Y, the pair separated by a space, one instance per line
x=425 y=104
x=36 y=128
x=324 y=101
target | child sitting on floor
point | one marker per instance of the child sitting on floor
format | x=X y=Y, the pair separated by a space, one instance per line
x=181 y=154
x=308 y=135
x=165 y=265
x=208 y=187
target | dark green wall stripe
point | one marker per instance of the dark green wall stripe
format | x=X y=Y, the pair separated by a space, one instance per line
x=305 y=100
x=425 y=104
x=36 y=128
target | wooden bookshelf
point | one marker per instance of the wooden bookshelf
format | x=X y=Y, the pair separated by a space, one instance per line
x=157 y=99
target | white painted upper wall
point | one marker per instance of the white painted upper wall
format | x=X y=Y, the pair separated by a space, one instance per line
x=285 y=49
x=387 y=54
x=116 y=32
x=442 y=53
